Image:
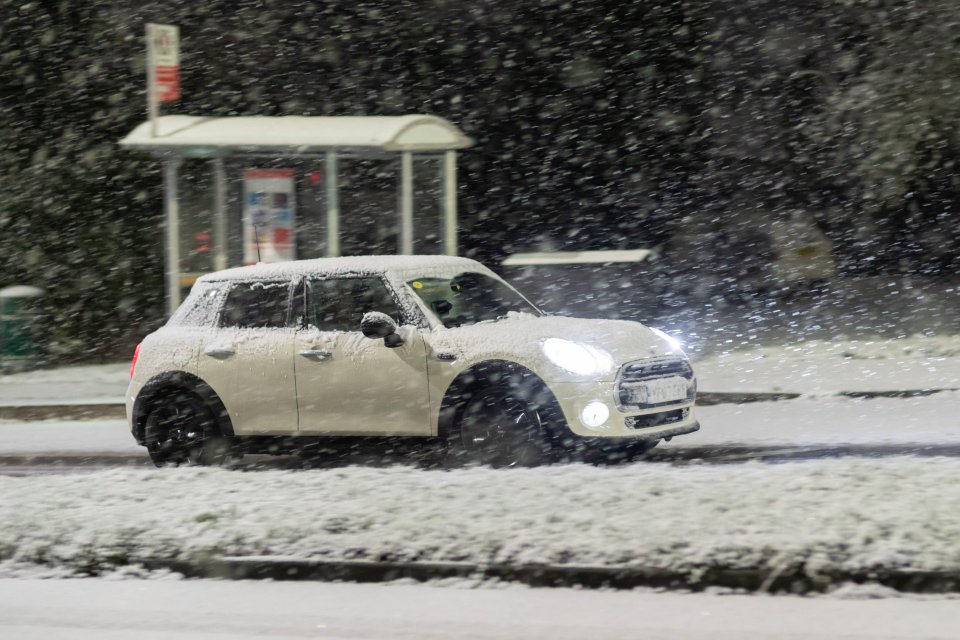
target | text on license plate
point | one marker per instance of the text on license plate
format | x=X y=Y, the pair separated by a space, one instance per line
x=661 y=390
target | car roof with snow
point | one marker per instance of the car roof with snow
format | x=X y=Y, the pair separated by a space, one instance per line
x=351 y=265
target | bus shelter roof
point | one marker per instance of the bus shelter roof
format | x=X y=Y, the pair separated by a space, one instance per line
x=296 y=135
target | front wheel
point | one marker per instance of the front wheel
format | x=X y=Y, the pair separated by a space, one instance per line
x=504 y=426
x=182 y=429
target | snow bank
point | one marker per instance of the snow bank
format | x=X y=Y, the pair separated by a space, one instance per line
x=843 y=514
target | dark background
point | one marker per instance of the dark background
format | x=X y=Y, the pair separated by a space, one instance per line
x=598 y=124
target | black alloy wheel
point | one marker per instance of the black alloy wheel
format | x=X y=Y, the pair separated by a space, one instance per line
x=500 y=427
x=182 y=430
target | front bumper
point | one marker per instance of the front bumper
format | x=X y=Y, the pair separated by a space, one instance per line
x=663 y=421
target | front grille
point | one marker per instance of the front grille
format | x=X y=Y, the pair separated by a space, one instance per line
x=638 y=378
x=651 y=369
x=656 y=419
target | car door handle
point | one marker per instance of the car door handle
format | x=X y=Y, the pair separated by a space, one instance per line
x=219 y=352
x=316 y=355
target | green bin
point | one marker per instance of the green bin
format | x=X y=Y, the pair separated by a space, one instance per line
x=21 y=318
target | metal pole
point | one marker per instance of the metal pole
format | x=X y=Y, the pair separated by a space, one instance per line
x=220 y=215
x=406 y=203
x=171 y=208
x=151 y=83
x=450 y=203
x=331 y=185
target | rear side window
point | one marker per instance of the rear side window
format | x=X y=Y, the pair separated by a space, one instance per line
x=201 y=306
x=339 y=304
x=256 y=305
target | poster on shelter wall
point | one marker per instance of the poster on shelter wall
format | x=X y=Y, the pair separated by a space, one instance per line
x=268 y=215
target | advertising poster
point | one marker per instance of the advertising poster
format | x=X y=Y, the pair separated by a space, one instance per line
x=268 y=215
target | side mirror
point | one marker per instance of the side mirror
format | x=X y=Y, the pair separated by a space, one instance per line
x=441 y=307
x=379 y=325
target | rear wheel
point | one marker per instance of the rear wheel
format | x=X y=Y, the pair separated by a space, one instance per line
x=501 y=425
x=182 y=429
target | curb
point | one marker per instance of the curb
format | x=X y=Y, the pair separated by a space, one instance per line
x=909 y=393
x=794 y=579
x=73 y=459
x=709 y=398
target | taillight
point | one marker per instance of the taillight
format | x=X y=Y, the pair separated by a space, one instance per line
x=133 y=363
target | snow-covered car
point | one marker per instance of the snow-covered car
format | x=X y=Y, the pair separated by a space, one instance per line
x=275 y=358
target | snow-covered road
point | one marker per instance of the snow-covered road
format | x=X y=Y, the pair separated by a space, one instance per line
x=810 y=421
x=826 y=367
x=208 y=610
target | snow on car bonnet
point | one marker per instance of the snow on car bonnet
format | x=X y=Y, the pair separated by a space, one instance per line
x=520 y=338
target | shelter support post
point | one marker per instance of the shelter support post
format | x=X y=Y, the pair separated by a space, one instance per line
x=153 y=108
x=406 y=203
x=450 y=203
x=331 y=186
x=171 y=209
x=220 y=215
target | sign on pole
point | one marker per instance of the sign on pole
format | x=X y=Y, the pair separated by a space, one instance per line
x=163 y=68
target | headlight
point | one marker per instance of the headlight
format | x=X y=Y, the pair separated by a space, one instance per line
x=581 y=359
x=670 y=340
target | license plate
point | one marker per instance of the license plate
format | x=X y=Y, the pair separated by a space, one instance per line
x=663 y=390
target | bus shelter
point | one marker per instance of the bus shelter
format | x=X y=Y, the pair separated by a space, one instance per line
x=320 y=147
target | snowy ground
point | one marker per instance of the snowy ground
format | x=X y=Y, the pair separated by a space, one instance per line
x=819 y=367
x=73 y=436
x=66 y=385
x=925 y=420
x=849 y=514
x=208 y=610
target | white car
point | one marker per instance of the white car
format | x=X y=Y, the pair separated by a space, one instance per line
x=276 y=358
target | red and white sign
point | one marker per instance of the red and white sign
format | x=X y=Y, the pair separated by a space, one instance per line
x=269 y=212
x=163 y=45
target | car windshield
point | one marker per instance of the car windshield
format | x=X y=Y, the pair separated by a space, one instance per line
x=469 y=297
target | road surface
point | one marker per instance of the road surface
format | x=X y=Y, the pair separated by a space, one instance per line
x=208 y=610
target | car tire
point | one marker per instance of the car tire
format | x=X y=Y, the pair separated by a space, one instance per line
x=506 y=425
x=181 y=429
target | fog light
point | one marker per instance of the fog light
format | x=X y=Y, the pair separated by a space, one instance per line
x=594 y=415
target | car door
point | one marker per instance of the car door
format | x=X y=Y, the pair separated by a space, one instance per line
x=350 y=384
x=248 y=358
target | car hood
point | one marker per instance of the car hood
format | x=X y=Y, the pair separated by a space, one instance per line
x=520 y=338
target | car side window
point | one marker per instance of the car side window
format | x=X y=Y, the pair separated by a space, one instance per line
x=256 y=305
x=338 y=304
x=201 y=306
